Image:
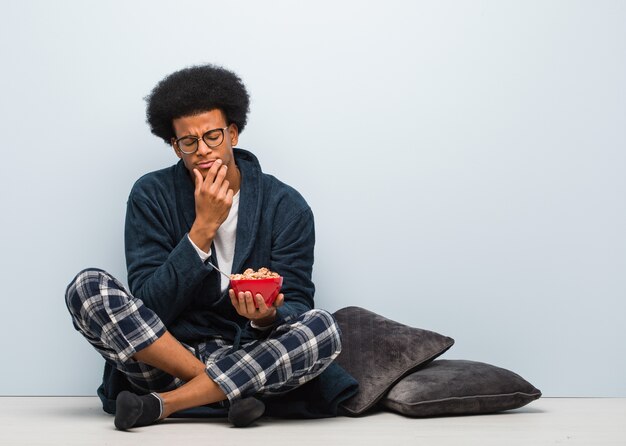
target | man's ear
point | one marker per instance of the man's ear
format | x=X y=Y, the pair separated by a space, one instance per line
x=176 y=151
x=234 y=134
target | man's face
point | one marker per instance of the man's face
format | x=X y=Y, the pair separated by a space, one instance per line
x=197 y=126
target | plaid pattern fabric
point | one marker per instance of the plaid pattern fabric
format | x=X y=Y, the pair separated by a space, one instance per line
x=294 y=353
x=117 y=325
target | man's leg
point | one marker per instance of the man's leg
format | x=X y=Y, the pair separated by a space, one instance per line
x=127 y=333
x=293 y=354
x=168 y=355
x=130 y=335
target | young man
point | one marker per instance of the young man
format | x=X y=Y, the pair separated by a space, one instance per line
x=180 y=338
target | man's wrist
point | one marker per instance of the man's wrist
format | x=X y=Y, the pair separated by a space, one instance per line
x=201 y=239
x=264 y=323
x=204 y=256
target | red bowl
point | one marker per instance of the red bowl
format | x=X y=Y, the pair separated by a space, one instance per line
x=268 y=288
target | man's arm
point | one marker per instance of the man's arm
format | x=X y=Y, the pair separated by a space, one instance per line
x=163 y=272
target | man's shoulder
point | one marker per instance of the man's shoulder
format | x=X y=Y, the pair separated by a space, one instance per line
x=284 y=204
x=279 y=190
x=275 y=191
x=158 y=176
x=158 y=180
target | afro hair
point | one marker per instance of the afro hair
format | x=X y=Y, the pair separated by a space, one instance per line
x=195 y=90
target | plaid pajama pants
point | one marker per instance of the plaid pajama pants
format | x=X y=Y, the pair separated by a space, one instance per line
x=117 y=325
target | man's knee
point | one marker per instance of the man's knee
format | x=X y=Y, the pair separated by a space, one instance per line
x=324 y=326
x=86 y=286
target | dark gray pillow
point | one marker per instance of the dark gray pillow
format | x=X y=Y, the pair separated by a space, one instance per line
x=378 y=352
x=456 y=387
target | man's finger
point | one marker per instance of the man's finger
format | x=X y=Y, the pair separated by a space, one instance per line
x=229 y=196
x=224 y=189
x=261 y=303
x=233 y=298
x=198 y=179
x=241 y=302
x=250 y=303
x=280 y=300
x=212 y=173
x=220 y=171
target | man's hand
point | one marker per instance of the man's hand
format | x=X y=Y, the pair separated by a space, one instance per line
x=213 y=201
x=263 y=315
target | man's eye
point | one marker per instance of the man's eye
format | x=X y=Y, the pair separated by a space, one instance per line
x=187 y=142
x=212 y=136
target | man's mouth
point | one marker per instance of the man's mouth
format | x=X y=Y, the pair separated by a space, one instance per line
x=205 y=164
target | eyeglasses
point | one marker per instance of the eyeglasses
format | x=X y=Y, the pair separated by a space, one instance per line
x=189 y=144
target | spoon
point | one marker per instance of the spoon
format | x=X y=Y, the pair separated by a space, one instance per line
x=220 y=271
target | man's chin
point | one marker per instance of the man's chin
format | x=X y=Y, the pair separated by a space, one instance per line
x=203 y=173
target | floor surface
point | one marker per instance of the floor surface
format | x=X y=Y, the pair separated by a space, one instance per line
x=548 y=421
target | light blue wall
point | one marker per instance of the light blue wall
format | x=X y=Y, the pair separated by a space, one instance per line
x=465 y=162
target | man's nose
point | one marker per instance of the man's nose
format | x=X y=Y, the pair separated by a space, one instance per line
x=203 y=147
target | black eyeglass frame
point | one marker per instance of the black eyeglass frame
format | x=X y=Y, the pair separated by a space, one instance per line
x=210 y=145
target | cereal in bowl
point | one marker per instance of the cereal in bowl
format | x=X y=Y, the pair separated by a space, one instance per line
x=262 y=273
